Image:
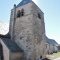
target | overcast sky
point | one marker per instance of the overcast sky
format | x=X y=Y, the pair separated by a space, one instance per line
x=51 y=9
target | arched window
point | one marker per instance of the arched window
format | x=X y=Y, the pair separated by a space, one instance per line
x=22 y=12
x=39 y=16
x=18 y=13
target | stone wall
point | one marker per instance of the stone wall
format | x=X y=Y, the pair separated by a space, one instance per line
x=5 y=51
x=49 y=48
x=29 y=31
x=16 y=56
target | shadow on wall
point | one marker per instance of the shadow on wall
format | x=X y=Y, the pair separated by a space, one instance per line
x=1 y=52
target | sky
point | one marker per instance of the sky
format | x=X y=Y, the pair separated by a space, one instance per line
x=3 y=30
x=51 y=9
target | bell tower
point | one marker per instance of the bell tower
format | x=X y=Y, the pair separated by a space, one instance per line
x=28 y=29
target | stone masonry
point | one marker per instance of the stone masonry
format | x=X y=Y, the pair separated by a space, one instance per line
x=28 y=31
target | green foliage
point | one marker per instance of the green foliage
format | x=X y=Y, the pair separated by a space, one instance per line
x=54 y=55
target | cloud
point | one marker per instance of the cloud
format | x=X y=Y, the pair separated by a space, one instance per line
x=4 y=27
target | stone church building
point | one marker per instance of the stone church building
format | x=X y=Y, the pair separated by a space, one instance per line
x=26 y=37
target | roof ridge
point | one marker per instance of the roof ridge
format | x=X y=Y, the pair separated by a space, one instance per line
x=12 y=46
x=23 y=2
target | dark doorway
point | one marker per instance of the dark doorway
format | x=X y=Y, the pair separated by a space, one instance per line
x=1 y=52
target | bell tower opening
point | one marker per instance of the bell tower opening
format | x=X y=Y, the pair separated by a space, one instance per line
x=1 y=52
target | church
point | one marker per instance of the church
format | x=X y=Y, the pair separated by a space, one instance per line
x=26 y=37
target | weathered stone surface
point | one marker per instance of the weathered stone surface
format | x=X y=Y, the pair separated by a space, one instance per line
x=5 y=50
x=29 y=31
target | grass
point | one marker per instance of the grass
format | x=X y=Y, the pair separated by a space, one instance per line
x=54 y=55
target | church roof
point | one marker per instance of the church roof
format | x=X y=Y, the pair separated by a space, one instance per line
x=11 y=45
x=5 y=36
x=51 y=41
x=23 y=2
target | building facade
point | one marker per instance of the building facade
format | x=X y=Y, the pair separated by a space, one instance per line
x=51 y=46
x=27 y=30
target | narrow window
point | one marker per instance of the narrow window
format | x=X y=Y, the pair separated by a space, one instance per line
x=22 y=12
x=39 y=16
x=18 y=13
